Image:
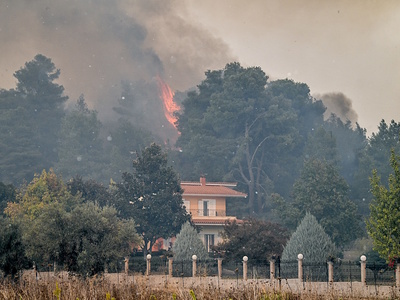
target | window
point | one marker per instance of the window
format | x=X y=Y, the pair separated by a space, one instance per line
x=186 y=204
x=209 y=241
x=207 y=207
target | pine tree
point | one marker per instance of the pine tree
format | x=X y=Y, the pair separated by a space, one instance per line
x=187 y=244
x=310 y=240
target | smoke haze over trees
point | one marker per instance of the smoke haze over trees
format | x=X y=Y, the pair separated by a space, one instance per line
x=237 y=125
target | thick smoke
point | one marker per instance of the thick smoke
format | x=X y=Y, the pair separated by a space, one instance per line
x=340 y=105
x=98 y=44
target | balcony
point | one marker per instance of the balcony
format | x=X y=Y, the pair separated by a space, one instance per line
x=207 y=213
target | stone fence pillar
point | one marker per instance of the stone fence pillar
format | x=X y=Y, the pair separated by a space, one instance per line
x=170 y=260
x=398 y=274
x=272 y=269
x=219 y=268
x=245 y=259
x=363 y=261
x=300 y=267
x=330 y=272
x=194 y=265
x=148 y=264
x=126 y=260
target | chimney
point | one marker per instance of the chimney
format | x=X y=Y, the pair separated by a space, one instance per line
x=203 y=181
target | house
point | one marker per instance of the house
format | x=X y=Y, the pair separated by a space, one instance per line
x=206 y=201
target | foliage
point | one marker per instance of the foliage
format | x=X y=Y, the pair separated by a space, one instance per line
x=7 y=194
x=80 y=147
x=12 y=251
x=257 y=149
x=57 y=227
x=187 y=244
x=100 y=237
x=152 y=196
x=125 y=141
x=376 y=155
x=321 y=191
x=30 y=121
x=256 y=239
x=310 y=240
x=383 y=225
x=91 y=191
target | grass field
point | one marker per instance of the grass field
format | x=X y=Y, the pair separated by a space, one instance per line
x=100 y=288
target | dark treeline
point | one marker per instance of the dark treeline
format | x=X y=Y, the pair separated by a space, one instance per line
x=269 y=136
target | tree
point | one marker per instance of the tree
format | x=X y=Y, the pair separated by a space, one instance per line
x=376 y=155
x=58 y=227
x=125 y=140
x=254 y=238
x=187 y=244
x=44 y=102
x=152 y=196
x=12 y=251
x=321 y=191
x=80 y=147
x=310 y=240
x=30 y=120
x=101 y=238
x=7 y=194
x=383 y=225
x=257 y=148
x=91 y=191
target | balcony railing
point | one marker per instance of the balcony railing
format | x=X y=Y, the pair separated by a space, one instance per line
x=207 y=213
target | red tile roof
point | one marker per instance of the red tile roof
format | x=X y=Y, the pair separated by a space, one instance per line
x=216 y=189
x=209 y=190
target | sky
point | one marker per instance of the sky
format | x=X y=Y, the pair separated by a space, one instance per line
x=347 y=52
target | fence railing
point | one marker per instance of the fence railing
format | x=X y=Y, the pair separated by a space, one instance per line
x=366 y=272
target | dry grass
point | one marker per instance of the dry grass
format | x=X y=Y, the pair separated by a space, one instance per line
x=103 y=289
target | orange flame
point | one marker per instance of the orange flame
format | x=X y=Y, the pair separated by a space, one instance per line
x=167 y=97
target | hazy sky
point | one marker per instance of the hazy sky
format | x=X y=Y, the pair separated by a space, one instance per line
x=348 y=52
x=349 y=47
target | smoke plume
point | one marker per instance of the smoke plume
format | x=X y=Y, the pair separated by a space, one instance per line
x=98 y=44
x=340 y=105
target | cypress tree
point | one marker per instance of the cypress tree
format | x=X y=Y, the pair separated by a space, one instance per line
x=188 y=243
x=310 y=240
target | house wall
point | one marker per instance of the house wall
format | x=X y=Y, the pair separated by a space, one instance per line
x=220 y=202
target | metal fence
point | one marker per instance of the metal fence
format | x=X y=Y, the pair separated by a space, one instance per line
x=343 y=271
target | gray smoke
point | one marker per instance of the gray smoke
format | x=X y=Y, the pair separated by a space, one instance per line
x=340 y=105
x=97 y=44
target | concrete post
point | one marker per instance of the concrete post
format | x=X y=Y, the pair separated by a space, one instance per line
x=398 y=275
x=170 y=260
x=363 y=262
x=126 y=260
x=219 y=268
x=245 y=259
x=194 y=265
x=300 y=267
x=330 y=272
x=272 y=269
x=148 y=264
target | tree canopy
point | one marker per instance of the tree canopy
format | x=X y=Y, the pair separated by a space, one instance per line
x=256 y=239
x=383 y=224
x=187 y=244
x=310 y=240
x=59 y=227
x=270 y=122
x=152 y=195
